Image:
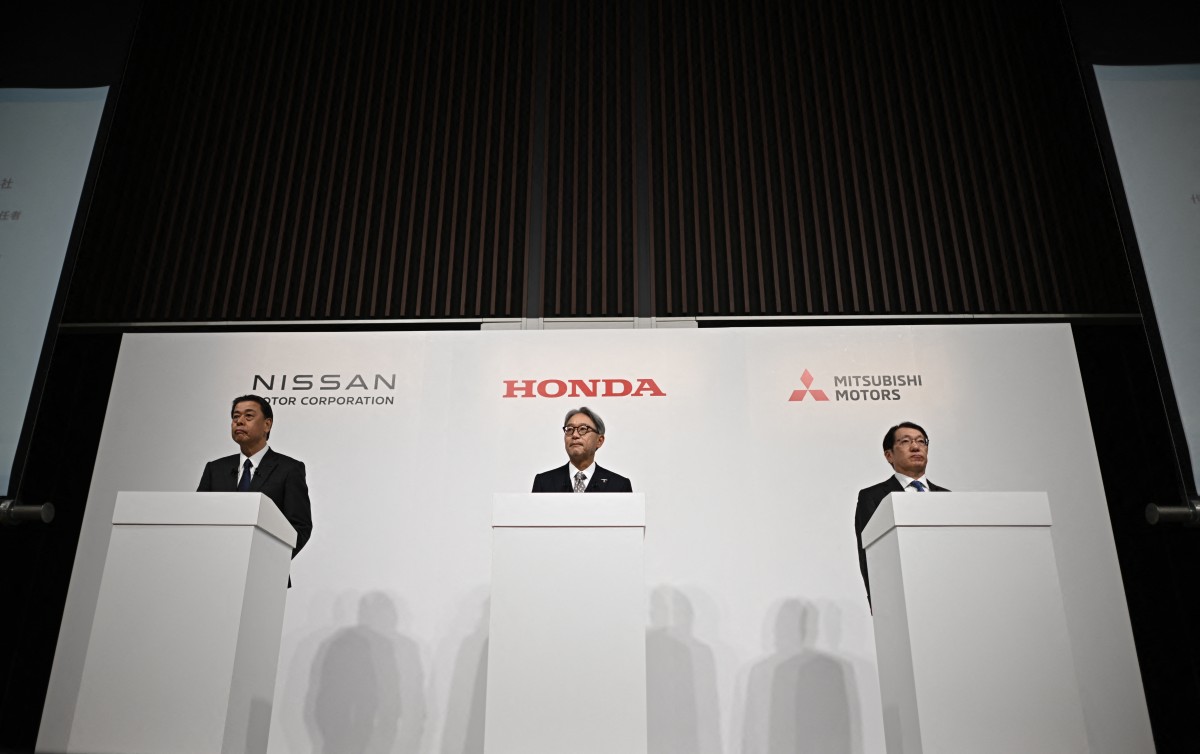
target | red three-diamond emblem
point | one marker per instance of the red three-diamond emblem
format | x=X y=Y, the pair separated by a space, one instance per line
x=807 y=379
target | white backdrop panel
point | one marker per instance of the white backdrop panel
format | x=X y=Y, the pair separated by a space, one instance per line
x=759 y=637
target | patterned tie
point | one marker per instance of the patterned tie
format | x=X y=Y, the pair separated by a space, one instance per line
x=579 y=485
x=916 y=485
x=244 y=482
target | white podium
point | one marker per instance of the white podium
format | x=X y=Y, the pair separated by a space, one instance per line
x=970 y=630
x=185 y=638
x=567 y=653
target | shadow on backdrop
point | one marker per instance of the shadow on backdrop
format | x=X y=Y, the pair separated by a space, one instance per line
x=366 y=694
x=468 y=690
x=799 y=698
x=683 y=716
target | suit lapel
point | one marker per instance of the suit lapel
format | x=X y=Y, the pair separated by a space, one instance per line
x=599 y=480
x=262 y=472
x=565 y=479
x=228 y=482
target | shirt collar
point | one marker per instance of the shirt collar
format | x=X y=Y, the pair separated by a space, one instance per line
x=587 y=471
x=255 y=459
x=905 y=481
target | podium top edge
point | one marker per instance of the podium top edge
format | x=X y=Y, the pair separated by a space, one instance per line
x=934 y=509
x=567 y=509
x=203 y=509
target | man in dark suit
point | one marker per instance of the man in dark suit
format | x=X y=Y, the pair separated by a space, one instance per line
x=583 y=434
x=257 y=468
x=906 y=448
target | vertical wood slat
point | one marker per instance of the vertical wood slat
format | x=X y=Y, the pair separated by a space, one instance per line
x=589 y=214
x=268 y=175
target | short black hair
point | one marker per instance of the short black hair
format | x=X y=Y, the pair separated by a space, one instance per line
x=262 y=404
x=889 y=440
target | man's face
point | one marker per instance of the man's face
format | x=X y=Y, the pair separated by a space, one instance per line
x=582 y=447
x=249 y=426
x=909 y=453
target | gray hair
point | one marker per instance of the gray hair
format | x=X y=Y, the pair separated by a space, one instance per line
x=589 y=414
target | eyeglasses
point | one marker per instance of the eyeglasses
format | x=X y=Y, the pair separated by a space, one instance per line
x=904 y=442
x=583 y=430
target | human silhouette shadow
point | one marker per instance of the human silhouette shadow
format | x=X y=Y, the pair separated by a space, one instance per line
x=801 y=699
x=467 y=705
x=367 y=689
x=683 y=715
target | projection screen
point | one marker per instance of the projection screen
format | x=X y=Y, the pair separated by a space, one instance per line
x=46 y=142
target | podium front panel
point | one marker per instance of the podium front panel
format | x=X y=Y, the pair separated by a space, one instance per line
x=970 y=630
x=567 y=652
x=185 y=637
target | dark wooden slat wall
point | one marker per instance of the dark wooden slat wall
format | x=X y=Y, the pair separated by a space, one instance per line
x=301 y=160
x=591 y=219
x=320 y=160
x=875 y=158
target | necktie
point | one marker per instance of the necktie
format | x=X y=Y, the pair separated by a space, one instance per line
x=579 y=485
x=916 y=485
x=244 y=482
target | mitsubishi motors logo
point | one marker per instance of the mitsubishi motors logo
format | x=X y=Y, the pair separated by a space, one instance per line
x=807 y=379
x=860 y=387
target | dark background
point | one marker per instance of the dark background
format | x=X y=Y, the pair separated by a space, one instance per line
x=398 y=165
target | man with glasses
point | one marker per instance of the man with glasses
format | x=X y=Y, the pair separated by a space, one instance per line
x=583 y=434
x=906 y=448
